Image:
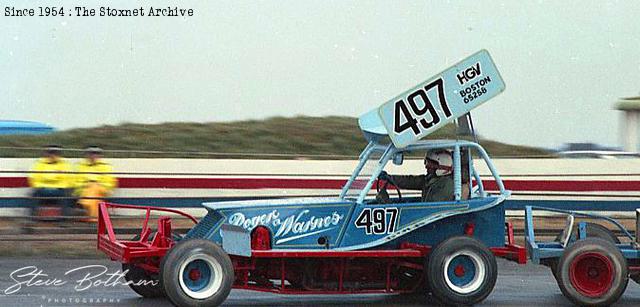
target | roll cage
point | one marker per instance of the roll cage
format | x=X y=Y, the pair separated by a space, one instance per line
x=389 y=151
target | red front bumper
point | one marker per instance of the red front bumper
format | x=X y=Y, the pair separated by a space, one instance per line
x=127 y=251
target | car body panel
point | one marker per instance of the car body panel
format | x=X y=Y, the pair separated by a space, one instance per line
x=331 y=223
x=412 y=217
x=293 y=223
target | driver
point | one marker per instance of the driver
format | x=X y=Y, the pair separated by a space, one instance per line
x=436 y=185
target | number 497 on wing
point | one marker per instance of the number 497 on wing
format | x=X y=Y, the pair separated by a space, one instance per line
x=446 y=96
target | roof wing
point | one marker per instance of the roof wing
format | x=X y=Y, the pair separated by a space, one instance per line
x=436 y=102
x=372 y=126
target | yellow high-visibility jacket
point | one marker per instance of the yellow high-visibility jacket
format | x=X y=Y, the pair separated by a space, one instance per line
x=52 y=174
x=99 y=172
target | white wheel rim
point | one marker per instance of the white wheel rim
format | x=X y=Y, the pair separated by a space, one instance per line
x=214 y=282
x=479 y=272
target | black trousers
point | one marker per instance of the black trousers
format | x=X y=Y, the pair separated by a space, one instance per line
x=59 y=197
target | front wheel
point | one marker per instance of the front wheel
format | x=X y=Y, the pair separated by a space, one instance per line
x=461 y=271
x=197 y=272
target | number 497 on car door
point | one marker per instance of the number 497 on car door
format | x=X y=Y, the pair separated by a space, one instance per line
x=377 y=221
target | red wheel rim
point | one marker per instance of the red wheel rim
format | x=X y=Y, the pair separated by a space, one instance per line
x=591 y=274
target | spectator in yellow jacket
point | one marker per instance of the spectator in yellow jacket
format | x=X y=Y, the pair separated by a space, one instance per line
x=50 y=177
x=94 y=180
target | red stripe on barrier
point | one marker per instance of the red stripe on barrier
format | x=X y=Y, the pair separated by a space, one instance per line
x=13 y=182
x=304 y=183
x=566 y=185
x=206 y=183
x=231 y=183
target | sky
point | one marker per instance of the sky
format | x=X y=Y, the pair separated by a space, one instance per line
x=565 y=63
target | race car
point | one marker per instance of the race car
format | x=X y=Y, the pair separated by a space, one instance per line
x=362 y=241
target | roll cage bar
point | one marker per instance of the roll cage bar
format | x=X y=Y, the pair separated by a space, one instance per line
x=389 y=151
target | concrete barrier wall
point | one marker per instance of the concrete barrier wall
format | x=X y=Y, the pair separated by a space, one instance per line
x=529 y=179
x=184 y=177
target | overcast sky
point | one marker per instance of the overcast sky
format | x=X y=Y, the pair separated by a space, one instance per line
x=565 y=63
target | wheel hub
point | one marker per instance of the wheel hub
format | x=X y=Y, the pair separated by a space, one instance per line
x=464 y=271
x=200 y=276
x=459 y=270
x=195 y=274
x=591 y=274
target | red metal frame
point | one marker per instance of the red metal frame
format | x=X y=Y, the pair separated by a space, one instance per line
x=365 y=273
x=290 y=271
x=511 y=251
x=380 y=268
x=142 y=252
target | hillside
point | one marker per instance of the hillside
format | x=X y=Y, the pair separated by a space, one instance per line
x=278 y=137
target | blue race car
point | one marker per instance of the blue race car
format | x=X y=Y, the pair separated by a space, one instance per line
x=362 y=241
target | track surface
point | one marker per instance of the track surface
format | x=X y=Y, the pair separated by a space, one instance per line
x=528 y=285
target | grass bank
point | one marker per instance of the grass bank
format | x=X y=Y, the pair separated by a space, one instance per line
x=302 y=135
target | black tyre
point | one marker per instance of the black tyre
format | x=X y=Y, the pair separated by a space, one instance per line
x=592 y=272
x=196 y=272
x=142 y=282
x=598 y=231
x=461 y=271
x=145 y=283
x=593 y=231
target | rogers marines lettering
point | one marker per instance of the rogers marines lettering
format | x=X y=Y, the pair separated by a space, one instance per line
x=300 y=224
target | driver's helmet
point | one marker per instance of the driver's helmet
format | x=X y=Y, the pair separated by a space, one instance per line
x=440 y=160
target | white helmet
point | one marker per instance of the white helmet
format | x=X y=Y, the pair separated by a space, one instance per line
x=441 y=160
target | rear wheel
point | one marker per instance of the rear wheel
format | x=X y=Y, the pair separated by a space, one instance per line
x=593 y=231
x=197 y=272
x=461 y=271
x=592 y=272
